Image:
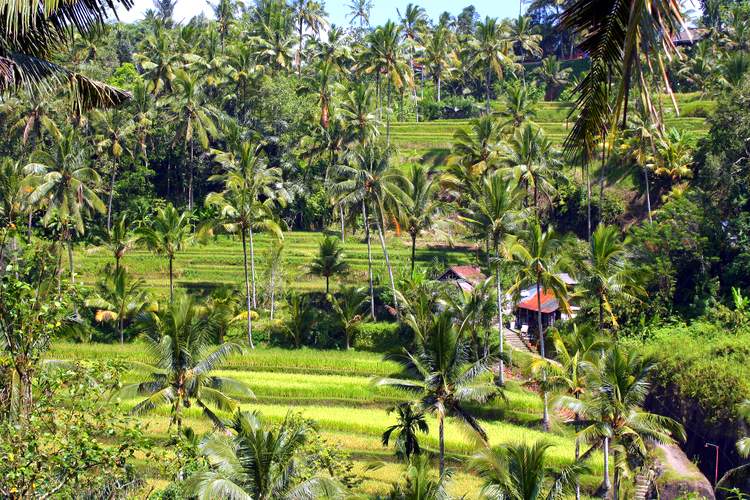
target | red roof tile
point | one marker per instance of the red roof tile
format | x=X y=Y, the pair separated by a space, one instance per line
x=549 y=303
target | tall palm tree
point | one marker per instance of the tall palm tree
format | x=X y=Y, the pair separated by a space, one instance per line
x=554 y=77
x=518 y=108
x=614 y=411
x=639 y=143
x=491 y=49
x=421 y=205
x=474 y=153
x=357 y=113
x=159 y=60
x=410 y=421
x=537 y=254
x=522 y=36
x=329 y=261
x=604 y=272
x=256 y=460
x=274 y=47
x=347 y=307
x=522 y=472
x=533 y=162
x=118 y=240
x=413 y=22
x=493 y=215
x=311 y=15
x=169 y=232
x=360 y=10
x=194 y=120
x=674 y=155
x=66 y=183
x=118 y=298
x=179 y=339
x=439 y=56
x=445 y=379
x=251 y=191
x=384 y=56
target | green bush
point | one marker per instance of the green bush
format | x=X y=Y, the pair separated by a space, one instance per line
x=697 y=109
x=380 y=337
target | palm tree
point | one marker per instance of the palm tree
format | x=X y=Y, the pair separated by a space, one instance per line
x=439 y=56
x=492 y=50
x=118 y=240
x=310 y=14
x=168 y=233
x=419 y=482
x=522 y=472
x=474 y=153
x=604 y=271
x=518 y=108
x=223 y=309
x=614 y=412
x=31 y=36
x=179 y=339
x=444 y=378
x=530 y=156
x=329 y=261
x=492 y=215
x=159 y=60
x=413 y=23
x=639 y=144
x=14 y=190
x=66 y=184
x=360 y=10
x=259 y=461
x=274 y=47
x=118 y=298
x=521 y=33
x=473 y=312
x=674 y=155
x=300 y=318
x=247 y=179
x=384 y=57
x=347 y=307
x=538 y=257
x=421 y=205
x=194 y=119
x=114 y=130
x=357 y=115
x=410 y=420
x=554 y=77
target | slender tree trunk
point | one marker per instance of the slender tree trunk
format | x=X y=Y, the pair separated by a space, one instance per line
x=343 y=232
x=190 y=178
x=252 y=266
x=576 y=420
x=648 y=195
x=588 y=200
x=545 y=417
x=247 y=290
x=441 y=437
x=388 y=116
x=616 y=493
x=327 y=289
x=299 y=50
x=607 y=484
x=273 y=291
x=31 y=222
x=387 y=264
x=121 y=328
x=413 y=251
x=111 y=196
x=369 y=259
x=487 y=89
x=171 y=280
x=500 y=327
x=439 y=85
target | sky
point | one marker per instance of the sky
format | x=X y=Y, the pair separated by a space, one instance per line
x=339 y=12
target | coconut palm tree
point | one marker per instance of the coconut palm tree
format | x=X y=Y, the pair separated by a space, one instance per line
x=159 y=60
x=273 y=47
x=194 y=119
x=251 y=191
x=168 y=232
x=554 y=77
x=439 y=56
x=519 y=108
x=474 y=153
x=473 y=312
x=66 y=184
x=118 y=298
x=493 y=215
x=604 y=273
x=300 y=318
x=223 y=309
x=491 y=50
x=613 y=412
x=329 y=261
x=14 y=191
x=522 y=472
x=532 y=161
x=311 y=15
x=674 y=155
x=347 y=307
x=445 y=379
x=360 y=10
x=179 y=339
x=421 y=205
x=357 y=112
x=537 y=254
x=117 y=240
x=522 y=36
x=257 y=460
x=639 y=144
x=413 y=23
x=384 y=57
x=410 y=420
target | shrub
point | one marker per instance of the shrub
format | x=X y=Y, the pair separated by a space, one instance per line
x=381 y=337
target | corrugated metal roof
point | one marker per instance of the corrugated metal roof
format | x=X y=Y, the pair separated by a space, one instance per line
x=549 y=303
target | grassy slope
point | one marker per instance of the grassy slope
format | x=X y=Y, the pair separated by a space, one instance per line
x=335 y=390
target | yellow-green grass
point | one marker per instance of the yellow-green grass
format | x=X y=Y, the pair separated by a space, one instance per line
x=219 y=262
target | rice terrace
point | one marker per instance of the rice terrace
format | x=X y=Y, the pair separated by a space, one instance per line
x=297 y=249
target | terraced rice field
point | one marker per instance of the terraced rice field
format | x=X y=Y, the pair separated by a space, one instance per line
x=335 y=390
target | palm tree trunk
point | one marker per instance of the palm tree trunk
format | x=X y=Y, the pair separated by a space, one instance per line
x=190 y=179
x=545 y=416
x=616 y=493
x=500 y=331
x=648 y=195
x=607 y=484
x=487 y=89
x=441 y=437
x=171 y=280
x=247 y=290
x=121 y=328
x=369 y=259
x=413 y=251
x=111 y=196
x=70 y=260
x=588 y=200
x=299 y=50
x=388 y=115
x=341 y=214
x=327 y=289
x=439 y=87
x=387 y=264
x=252 y=266
x=31 y=222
